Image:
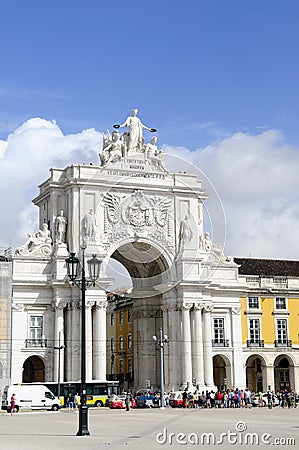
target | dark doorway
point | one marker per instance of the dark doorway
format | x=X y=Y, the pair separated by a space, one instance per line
x=33 y=370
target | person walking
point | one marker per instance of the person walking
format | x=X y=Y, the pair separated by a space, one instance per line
x=128 y=400
x=70 y=402
x=12 y=403
x=76 y=401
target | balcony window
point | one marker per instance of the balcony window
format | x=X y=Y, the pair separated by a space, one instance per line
x=130 y=341
x=129 y=315
x=130 y=365
x=218 y=329
x=219 y=333
x=282 y=331
x=255 y=334
x=112 y=344
x=36 y=331
x=121 y=343
x=254 y=330
x=112 y=319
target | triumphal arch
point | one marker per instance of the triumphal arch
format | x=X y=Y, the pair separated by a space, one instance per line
x=132 y=208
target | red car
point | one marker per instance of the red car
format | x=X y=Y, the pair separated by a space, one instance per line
x=176 y=399
x=118 y=402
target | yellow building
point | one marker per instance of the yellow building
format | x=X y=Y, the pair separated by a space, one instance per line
x=270 y=323
x=120 y=332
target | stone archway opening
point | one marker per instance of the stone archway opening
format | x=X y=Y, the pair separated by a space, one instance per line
x=148 y=270
x=33 y=370
x=255 y=373
x=221 y=372
x=145 y=263
x=283 y=373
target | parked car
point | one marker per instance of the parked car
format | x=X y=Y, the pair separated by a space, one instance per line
x=118 y=402
x=176 y=399
x=255 y=400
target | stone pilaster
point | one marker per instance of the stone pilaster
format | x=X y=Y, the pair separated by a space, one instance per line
x=239 y=371
x=186 y=344
x=207 y=346
x=197 y=345
x=99 y=340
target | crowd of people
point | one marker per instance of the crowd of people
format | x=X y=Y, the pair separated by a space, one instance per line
x=237 y=398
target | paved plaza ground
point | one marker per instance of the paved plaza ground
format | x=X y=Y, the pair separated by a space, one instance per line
x=152 y=428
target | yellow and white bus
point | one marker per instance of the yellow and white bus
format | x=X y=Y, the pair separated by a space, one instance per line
x=97 y=392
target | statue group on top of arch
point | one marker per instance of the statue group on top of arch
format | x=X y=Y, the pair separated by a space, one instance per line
x=38 y=243
x=117 y=147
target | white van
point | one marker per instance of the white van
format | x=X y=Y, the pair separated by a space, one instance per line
x=29 y=396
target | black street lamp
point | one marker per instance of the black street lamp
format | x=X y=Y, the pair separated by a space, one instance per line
x=161 y=341
x=73 y=272
x=59 y=348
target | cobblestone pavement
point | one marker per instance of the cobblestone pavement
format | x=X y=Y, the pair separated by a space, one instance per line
x=153 y=429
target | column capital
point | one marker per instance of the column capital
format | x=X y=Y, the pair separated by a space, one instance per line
x=101 y=305
x=186 y=306
x=236 y=310
x=198 y=306
x=89 y=304
x=58 y=304
x=208 y=308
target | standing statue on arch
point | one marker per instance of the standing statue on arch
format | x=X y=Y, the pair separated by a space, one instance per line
x=136 y=141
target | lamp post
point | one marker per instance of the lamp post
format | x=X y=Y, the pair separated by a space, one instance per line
x=82 y=283
x=59 y=348
x=161 y=341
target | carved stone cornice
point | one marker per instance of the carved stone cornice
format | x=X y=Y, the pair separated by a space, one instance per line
x=20 y=307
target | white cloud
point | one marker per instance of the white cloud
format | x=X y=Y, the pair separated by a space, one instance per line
x=27 y=155
x=255 y=176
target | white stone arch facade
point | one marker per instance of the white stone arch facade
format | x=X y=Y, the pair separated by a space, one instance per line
x=131 y=201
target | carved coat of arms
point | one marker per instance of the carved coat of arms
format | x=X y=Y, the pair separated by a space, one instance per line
x=137 y=215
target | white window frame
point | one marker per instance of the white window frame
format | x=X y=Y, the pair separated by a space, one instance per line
x=36 y=331
x=253 y=307
x=285 y=303
x=277 y=329
x=217 y=339
x=257 y=321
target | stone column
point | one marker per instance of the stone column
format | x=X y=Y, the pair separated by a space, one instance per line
x=99 y=350
x=166 y=345
x=59 y=342
x=76 y=341
x=197 y=346
x=175 y=377
x=69 y=343
x=207 y=346
x=186 y=345
x=239 y=375
x=88 y=338
x=269 y=378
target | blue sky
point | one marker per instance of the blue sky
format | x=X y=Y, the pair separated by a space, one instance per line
x=217 y=78
x=199 y=70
